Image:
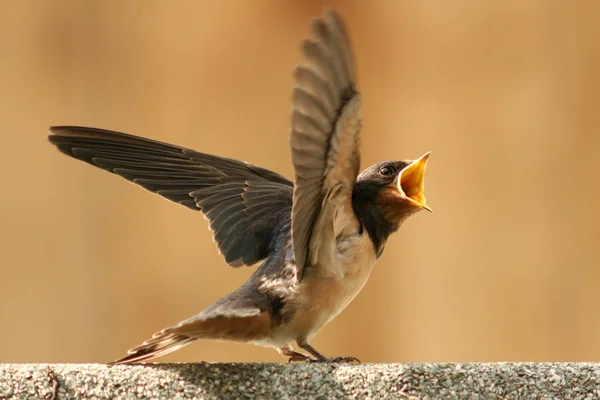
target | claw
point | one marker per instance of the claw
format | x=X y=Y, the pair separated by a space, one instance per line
x=345 y=360
x=299 y=358
x=336 y=360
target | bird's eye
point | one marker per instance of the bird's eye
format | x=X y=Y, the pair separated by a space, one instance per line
x=386 y=171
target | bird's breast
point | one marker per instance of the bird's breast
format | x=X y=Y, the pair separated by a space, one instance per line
x=326 y=290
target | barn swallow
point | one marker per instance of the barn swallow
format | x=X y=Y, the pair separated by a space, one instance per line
x=315 y=240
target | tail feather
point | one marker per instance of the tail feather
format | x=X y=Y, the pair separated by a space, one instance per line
x=239 y=324
x=163 y=342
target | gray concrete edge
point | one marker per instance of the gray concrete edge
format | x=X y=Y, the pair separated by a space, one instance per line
x=297 y=381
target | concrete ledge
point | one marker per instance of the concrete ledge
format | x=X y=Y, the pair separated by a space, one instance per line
x=297 y=381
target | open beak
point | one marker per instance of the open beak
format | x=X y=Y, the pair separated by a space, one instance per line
x=411 y=182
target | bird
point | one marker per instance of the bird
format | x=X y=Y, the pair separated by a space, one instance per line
x=314 y=240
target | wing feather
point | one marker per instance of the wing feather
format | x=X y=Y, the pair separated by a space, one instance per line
x=325 y=133
x=217 y=186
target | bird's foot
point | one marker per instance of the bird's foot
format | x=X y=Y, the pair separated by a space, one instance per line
x=294 y=356
x=320 y=358
x=335 y=360
x=299 y=358
x=345 y=360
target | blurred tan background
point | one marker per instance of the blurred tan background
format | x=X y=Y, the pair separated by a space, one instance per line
x=505 y=94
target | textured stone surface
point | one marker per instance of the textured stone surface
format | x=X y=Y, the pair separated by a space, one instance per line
x=298 y=381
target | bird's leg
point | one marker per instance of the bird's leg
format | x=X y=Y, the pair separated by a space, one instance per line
x=321 y=358
x=294 y=356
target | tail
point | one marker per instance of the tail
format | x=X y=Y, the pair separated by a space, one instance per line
x=163 y=342
x=237 y=324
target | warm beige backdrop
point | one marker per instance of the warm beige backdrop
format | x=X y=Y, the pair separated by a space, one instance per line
x=505 y=94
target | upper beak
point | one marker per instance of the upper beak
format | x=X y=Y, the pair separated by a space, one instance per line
x=411 y=182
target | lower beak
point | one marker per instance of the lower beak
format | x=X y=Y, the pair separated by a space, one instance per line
x=411 y=182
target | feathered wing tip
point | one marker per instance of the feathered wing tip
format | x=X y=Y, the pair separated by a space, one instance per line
x=163 y=342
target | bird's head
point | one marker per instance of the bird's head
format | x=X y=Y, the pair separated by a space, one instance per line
x=389 y=192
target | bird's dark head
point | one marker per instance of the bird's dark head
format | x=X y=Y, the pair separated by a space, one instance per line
x=387 y=193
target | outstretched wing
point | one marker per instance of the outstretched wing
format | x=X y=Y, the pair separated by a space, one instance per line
x=325 y=134
x=244 y=203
